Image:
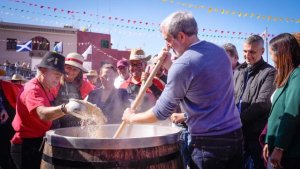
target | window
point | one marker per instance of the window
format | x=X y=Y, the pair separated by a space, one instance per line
x=40 y=43
x=104 y=44
x=11 y=44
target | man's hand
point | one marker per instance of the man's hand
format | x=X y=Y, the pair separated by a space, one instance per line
x=85 y=110
x=165 y=57
x=177 y=118
x=128 y=114
x=74 y=106
x=276 y=157
x=146 y=74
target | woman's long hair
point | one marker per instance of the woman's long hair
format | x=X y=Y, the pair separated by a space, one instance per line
x=286 y=50
x=78 y=79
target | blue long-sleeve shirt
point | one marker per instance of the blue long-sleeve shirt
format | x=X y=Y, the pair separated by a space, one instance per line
x=201 y=81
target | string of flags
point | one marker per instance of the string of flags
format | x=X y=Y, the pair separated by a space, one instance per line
x=183 y=4
x=87 y=21
x=234 y=12
x=214 y=38
x=89 y=51
x=85 y=13
x=222 y=33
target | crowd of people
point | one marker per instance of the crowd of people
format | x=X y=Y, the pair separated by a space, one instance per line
x=232 y=115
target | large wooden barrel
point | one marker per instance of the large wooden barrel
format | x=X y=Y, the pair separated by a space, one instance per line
x=139 y=146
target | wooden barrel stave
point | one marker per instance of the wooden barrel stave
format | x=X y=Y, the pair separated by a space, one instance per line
x=160 y=157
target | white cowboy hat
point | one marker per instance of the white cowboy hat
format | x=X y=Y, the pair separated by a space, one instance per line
x=138 y=54
x=76 y=60
x=18 y=77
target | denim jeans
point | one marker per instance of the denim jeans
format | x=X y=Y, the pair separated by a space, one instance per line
x=185 y=139
x=218 y=152
x=253 y=155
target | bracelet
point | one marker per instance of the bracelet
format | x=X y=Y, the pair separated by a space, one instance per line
x=63 y=108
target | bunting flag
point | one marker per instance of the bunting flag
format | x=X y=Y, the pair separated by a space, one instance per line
x=133 y=28
x=25 y=47
x=58 y=48
x=264 y=34
x=132 y=21
x=88 y=51
x=233 y=12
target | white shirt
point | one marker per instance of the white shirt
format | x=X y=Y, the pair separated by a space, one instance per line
x=118 y=81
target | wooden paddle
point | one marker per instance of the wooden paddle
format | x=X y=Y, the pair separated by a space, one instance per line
x=140 y=95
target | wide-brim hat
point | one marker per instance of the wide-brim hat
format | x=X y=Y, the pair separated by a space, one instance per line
x=2 y=72
x=76 y=60
x=92 y=73
x=138 y=54
x=18 y=77
x=54 y=61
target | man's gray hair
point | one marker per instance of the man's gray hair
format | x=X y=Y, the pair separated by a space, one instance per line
x=255 y=39
x=231 y=49
x=180 y=21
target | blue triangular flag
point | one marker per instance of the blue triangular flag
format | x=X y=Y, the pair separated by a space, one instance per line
x=58 y=47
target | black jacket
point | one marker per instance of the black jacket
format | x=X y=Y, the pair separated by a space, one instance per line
x=256 y=98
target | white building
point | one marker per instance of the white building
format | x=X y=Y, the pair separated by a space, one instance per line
x=43 y=39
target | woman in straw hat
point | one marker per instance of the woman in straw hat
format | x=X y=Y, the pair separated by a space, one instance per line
x=72 y=85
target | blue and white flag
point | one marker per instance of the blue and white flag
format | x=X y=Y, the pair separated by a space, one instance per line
x=58 y=47
x=25 y=47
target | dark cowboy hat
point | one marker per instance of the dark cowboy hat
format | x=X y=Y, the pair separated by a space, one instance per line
x=54 y=61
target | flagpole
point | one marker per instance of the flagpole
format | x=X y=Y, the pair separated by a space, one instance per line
x=267 y=45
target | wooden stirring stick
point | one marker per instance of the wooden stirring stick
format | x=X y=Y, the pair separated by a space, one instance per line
x=140 y=95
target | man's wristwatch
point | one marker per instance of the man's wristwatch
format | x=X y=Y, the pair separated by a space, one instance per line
x=185 y=116
x=63 y=108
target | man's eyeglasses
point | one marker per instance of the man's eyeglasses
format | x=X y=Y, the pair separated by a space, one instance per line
x=136 y=64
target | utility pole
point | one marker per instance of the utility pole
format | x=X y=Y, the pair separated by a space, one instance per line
x=267 y=44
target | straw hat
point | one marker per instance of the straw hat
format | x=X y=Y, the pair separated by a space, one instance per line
x=76 y=60
x=18 y=77
x=92 y=73
x=2 y=72
x=54 y=61
x=138 y=54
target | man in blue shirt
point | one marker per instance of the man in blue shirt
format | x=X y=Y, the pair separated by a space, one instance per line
x=200 y=80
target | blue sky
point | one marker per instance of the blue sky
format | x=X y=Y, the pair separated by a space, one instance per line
x=134 y=23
